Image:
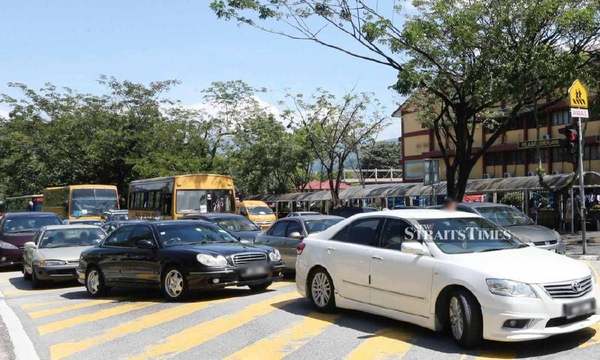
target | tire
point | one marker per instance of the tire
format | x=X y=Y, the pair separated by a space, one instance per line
x=94 y=282
x=464 y=319
x=174 y=284
x=260 y=287
x=35 y=282
x=26 y=275
x=321 y=291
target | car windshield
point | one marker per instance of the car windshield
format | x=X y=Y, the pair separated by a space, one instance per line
x=464 y=235
x=29 y=224
x=313 y=226
x=92 y=202
x=192 y=234
x=70 y=237
x=260 y=210
x=204 y=201
x=504 y=215
x=237 y=224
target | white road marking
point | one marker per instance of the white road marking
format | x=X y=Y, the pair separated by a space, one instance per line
x=22 y=345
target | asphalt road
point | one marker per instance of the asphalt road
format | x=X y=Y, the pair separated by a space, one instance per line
x=63 y=323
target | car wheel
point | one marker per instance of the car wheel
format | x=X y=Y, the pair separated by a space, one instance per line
x=464 y=318
x=174 y=284
x=94 y=282
x=26 y=275
x=321 y=290
x=260 y=287
x=35 y=282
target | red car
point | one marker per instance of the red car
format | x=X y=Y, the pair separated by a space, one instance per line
x=18 y=228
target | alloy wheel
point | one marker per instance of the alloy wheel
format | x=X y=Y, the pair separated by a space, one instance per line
x=93 y=281
x=174 y=283
x=321 y=289
x=456 y=318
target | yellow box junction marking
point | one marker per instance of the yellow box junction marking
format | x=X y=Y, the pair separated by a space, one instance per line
x=287 y=340
x=385 y=343
x=203 y=332
x=61 y=309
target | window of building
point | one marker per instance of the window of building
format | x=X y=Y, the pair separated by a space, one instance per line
x=562 y=117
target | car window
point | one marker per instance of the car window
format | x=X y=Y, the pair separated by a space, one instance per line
x=120 y=237
x=393 y=234
x=278 y=229
x=28 y=224
x=70 y=237
x=293 y=226
x=141 y=232
x=362 y=232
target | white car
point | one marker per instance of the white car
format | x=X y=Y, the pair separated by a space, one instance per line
x=446 y=270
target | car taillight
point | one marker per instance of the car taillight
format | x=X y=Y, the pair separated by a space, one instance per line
x=300 y=248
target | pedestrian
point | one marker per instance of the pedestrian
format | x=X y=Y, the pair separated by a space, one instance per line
x=450 y=204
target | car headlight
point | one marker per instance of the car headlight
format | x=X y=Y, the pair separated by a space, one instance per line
x=209 y=260
x=45 y=263
x=7 y=246
x=274 y=255
x=510 y=288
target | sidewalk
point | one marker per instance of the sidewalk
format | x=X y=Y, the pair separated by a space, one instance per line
x=574 y=247
x=6 y=352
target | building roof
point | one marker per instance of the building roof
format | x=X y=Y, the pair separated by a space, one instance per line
x=324 y=185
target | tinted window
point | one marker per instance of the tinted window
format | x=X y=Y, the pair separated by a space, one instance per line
x=293 y=226
x=362 y=232
x=192 y=234
x=70 y=237
x=393 y=234
x=120 y=237
x=313 y=226
x=141 y=232
x=28 y=224
x=237 y=224
x=278 y=229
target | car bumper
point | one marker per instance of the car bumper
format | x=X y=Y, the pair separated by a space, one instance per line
x=57 y=273
x=10 y=257
x=232 y=277
x=545 y=317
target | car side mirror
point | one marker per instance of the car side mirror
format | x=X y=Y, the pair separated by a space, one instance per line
x=414 y=247
x=29 y=245
x=296 y=235
x=145 y=244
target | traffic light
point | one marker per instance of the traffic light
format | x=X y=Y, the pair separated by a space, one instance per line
x=571 y=140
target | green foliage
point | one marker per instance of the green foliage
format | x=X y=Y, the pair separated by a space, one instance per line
x=381 y=155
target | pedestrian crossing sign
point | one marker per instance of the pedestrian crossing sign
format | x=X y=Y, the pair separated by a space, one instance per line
x=578 y=95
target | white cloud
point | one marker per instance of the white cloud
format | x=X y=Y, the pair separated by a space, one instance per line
x=213 y=109
x=4 y=110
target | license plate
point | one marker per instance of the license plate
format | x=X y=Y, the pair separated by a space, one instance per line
x=579 y=308
x=254 y=271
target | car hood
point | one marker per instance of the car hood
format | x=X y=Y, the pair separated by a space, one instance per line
x=64 y=253
x=18 y=239
x=531 y=233
x=529 y=264
x=224 y=249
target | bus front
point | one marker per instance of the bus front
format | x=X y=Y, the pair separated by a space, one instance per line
x=88 y=202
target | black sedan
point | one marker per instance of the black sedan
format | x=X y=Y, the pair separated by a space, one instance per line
x=177 y=257
x=237 y=225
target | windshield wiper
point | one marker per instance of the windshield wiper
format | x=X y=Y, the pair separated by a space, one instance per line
x=492 y=249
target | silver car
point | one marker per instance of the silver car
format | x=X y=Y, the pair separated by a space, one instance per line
x=517 y=223
x=53 y=255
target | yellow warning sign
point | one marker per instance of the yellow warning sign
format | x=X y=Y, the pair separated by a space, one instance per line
x=578 y=95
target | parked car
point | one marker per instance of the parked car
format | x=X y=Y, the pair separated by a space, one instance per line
x=176 y=257
x=516 y=222
x=286 y=233
x=415 y=266
x=346 y=212
x=110 y=226
x=18 y=228
x=115 y=215
x=53 y=255
x=302 y=213
x=258 y=212
x=237 y=225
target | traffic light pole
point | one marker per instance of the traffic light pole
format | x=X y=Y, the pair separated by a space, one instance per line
x=581 y=184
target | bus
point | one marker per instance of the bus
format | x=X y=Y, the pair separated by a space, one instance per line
x=172 y=197
x=23 y=203
x=81 y=203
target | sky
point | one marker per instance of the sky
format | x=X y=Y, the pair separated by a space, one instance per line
x=72 y=43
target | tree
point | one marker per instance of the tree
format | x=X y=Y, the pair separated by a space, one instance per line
x=381 y=155
x=335 y=129
x=463 y=60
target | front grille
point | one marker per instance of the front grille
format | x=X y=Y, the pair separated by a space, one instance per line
x=542 y=243
x=248 y=258
x=560 y=321
x=73 y=262
x=569 y=289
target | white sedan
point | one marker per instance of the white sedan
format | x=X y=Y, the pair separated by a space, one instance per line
x=446 y=270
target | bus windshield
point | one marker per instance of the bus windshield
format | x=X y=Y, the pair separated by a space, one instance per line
x=92 y=202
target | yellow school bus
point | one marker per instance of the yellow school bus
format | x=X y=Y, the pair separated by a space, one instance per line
x=81 y=203
x=172 y=197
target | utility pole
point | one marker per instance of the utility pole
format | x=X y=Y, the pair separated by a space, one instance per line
x=581 y=184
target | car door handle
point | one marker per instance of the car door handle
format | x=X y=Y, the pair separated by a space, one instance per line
x=375 y=257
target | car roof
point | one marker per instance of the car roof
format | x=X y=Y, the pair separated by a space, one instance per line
x=418 y=214
x=216 y=215
x=483 y=204
x=70 y=226
x=179 y=222
x=29 y=214
x=317 y=217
